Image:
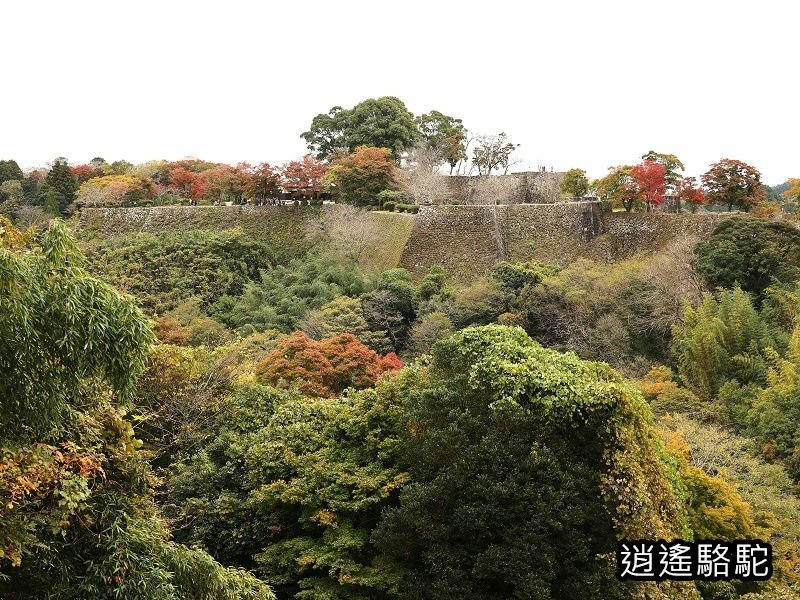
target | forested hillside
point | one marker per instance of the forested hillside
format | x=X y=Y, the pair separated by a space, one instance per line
x=220 y=381
x=251 y=422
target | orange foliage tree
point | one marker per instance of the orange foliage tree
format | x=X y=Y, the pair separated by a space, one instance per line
x=187 y=183
x=324 y=368
x=733 y=183
x=359 y=177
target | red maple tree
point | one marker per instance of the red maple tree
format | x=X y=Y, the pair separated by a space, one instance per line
x=86 y=172
x=691 y=193
x=264 y=182
x=650 y=179
x=303 y=178
x=187 y=183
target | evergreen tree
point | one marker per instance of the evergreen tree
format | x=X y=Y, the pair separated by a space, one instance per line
x=63 y=184
x=9 y=169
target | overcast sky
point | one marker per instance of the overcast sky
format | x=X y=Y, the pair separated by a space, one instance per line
x=577 y=84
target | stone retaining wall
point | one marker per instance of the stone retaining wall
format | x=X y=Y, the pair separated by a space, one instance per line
x=466 y=240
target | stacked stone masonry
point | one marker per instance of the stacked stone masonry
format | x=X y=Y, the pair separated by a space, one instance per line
x=465 y=240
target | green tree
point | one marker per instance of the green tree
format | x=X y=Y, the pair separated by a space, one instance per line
x=293 y=486
x=9 y=169
x=62 y=184
x=77 y=518
x=342 y=315
x=379 y=122
x=443 y=135
x=286 y=293
x=751 y=253
x=118 y=167
x=391 y=307
x=31 y=185
x=428 y=330
x=575 y=184
x=721 y=341
x=11 y=196
x=165 y=270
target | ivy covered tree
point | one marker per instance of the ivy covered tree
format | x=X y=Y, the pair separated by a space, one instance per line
x=493 y=469
x=526 y=465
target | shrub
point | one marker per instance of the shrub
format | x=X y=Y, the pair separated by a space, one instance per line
x=164 y=270
x=394 y=196
x=389 y=205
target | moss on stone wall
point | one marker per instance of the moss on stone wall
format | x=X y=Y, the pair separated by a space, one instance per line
x=290 y=231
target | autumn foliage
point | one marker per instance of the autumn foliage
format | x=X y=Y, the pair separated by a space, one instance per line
x=733 y=183
x=359 y=177
x=690 y=193
x=188 y=183
x=303 y=178
x=649 y=177
x=111 y=190
x=326 y=367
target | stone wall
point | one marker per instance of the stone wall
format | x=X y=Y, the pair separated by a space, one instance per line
x=513 y=188
x=468 y=240
x=289 y=230
x=460 y=238
x=625 y=234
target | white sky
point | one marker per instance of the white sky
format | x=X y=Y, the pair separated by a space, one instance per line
x=577 y=84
